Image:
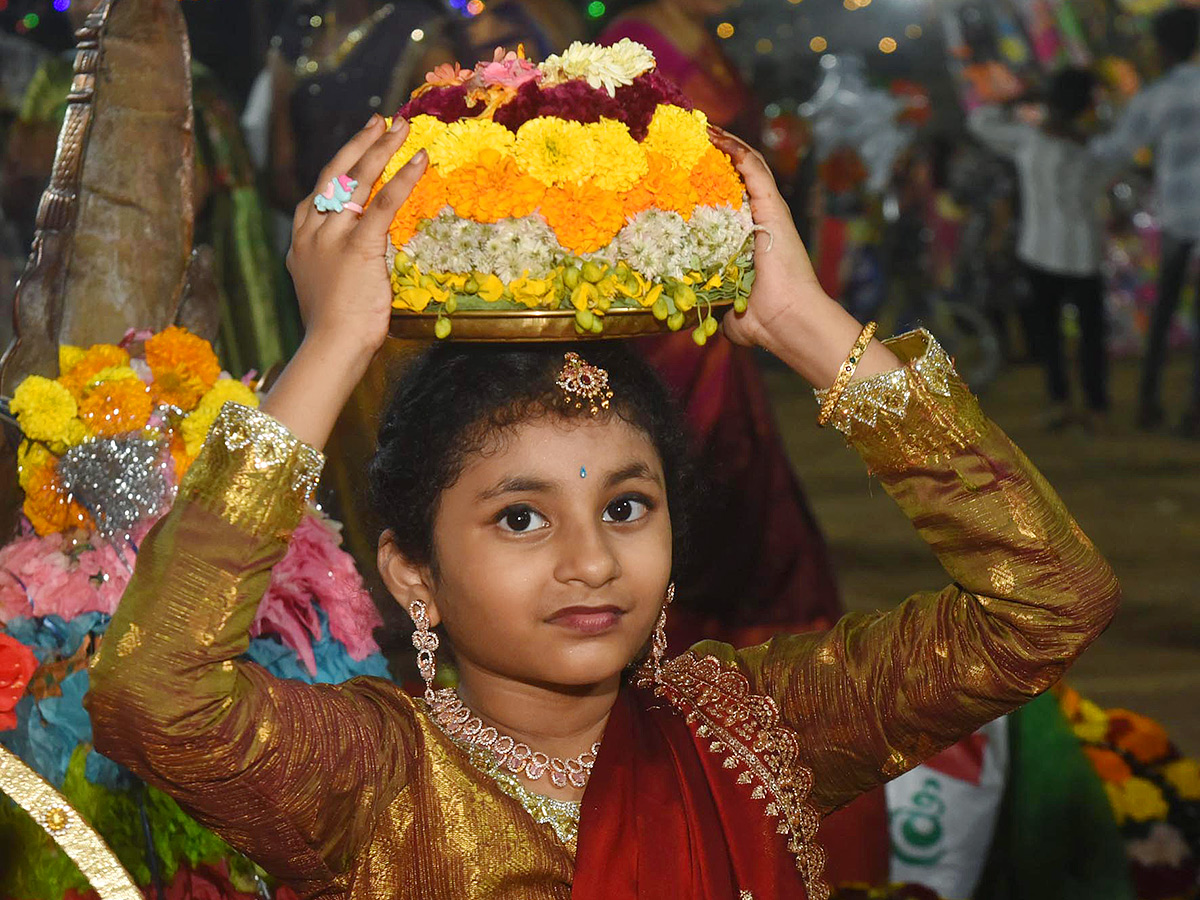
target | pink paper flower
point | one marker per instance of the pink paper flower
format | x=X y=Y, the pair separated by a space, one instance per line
x=508 y=70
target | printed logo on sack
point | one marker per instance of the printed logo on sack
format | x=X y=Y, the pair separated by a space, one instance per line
x=917 y=828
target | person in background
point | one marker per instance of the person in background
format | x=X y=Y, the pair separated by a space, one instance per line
x=1061 y=233
x=1166 y=117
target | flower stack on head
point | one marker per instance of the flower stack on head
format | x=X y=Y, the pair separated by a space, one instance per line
x=581 y=196
x=107 y=440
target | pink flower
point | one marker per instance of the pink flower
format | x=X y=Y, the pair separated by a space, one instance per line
x=316 y=570
x=508 y=70
x=448 y=75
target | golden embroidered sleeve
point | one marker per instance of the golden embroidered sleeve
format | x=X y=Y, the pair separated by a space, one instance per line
x=289 y=773
x=879 y=693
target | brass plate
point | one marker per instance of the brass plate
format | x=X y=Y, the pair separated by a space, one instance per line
x=487 y=326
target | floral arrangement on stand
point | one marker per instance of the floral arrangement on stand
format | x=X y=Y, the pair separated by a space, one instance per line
x=1154 y=792
x=105 y=444
x=587 y=182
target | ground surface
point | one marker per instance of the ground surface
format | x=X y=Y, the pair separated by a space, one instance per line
x=1137 y=496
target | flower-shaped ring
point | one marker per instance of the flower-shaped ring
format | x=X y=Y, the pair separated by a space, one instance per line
x=336 y=196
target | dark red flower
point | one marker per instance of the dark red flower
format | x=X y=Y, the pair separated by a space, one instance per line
x=17 y=665
x=446 y=103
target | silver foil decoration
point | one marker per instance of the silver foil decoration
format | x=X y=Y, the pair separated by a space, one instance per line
x=118 y=480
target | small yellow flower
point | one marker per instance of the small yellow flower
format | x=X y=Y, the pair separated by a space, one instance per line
x=1092 y=723
x=678 y=135
x=1184 y=776
x=491 y=288
x=585 y=296
x=69 y=356
x=44 y=409
x=1136 y=799
x=32 y=457
x=196 y=426
x=556 y=151
x=460 y=143
x=533 y=292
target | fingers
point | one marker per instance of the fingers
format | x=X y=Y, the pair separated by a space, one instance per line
x=378 y=218
x=366 y=172
x=351 y=152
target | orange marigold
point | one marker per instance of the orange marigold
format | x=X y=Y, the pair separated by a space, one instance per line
x=94 y=360
x=1138 y=735
x=666 y=186
x=425 y=202
x=493 y=188
x=1108 y=765
x=716 y=180
x=47 y=506
x=182 y=363
x=115 y=407
x=584 y=217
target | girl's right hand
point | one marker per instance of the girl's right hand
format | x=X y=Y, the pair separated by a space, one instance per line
x=339 y=264
x=337 y=260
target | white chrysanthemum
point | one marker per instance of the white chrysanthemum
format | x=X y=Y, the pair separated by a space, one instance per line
x=517 y=247
x=600 y=67
x=719 y=233
x=448 y=243
x=658 y=244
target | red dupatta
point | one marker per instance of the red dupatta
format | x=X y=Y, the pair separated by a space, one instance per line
x=698 y=792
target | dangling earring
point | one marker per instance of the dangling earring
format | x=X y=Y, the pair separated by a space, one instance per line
x=426 y=642
x=658 y=642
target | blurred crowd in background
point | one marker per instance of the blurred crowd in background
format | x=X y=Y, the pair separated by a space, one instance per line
x=1022 y=176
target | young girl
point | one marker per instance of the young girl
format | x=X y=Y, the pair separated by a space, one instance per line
x=533 y=501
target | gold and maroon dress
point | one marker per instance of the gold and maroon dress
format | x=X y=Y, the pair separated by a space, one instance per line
x=710 y=784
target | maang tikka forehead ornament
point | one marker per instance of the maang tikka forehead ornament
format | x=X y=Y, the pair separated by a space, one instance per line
x=581 y=382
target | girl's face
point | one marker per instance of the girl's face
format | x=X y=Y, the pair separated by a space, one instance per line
x=553 y=552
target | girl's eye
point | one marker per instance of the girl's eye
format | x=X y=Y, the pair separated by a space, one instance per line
x=521 y=519
x=626 y=509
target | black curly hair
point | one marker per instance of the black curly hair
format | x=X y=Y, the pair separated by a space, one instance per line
x=454 y=400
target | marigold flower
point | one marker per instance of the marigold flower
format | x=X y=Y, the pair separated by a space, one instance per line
x=493 y=188
x=44 y=409
x=555 y=151
x=32 y=456
x=716 y=181
x=584 y=217
x=184 y=366
x=1136 y=799
x=1184 y=776
x=426 y=201
x=623 y=159
x=117 y=406
x=1108 y=765
x=79 y=367
x=679 y=134
x=666 y=186
x=461 y=142
x=422 y=132
x=47 y=506
x=1138 y=735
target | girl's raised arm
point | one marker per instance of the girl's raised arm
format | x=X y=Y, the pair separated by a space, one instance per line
x=880 y=693
x=291 y=774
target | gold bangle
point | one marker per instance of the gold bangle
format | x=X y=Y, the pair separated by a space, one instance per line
x=845 y=373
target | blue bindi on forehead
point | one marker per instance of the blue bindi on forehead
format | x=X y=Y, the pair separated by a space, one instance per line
x=583 y=472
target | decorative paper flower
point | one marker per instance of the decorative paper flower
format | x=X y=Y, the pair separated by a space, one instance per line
x=624 y=160
x=184 y=367
x=606 y=67
x=17 y=665
x=679 y=134
x=509 y=69
x=44 y=409
x=449 y=75
x=1184 y=776
x=555 y=152
x=1136 y=799
x=79 y=367
x=459 y=143
x=116 y=406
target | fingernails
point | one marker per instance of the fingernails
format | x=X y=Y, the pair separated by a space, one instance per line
x=419 y=158
x=375 y=119
x=397 y=124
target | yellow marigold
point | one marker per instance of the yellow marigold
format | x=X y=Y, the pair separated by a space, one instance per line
x=116 y=406
x=679 y=134
x=621 y=160
x=1108 y=765
x=422 y=131
x=1136 y=799
x=79 y=367
x=556 y=151
x=32 y=456
x=716 y=180
x=462 y=141
x=666 y=186
x=183 y=364
x=1090 y=722
x=584 y=217
x=1184 y=776
x=229 y=390
x=196 y=426
x=1139 y=735
x=493 y=188
x=47 y=506
x=425 y=202
x=44 y=409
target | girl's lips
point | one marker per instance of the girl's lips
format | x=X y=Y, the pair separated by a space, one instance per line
x=587 y=619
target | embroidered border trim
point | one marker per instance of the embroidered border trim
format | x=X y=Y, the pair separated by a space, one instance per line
x=745 y=727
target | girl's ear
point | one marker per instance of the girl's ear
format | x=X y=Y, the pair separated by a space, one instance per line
x=406 y=581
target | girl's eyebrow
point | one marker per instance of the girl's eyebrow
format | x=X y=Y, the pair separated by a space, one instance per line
x=516 y=484
x=634 y=470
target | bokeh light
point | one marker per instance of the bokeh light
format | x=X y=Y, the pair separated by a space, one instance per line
x=725 y=30
x=818 y=44
x=62 y=5
x=763 y=46
x=596 y=9
x=31 y=21
x=912 y=32
x=888 y=45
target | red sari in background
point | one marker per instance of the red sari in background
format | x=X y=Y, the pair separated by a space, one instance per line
x=768 y=552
